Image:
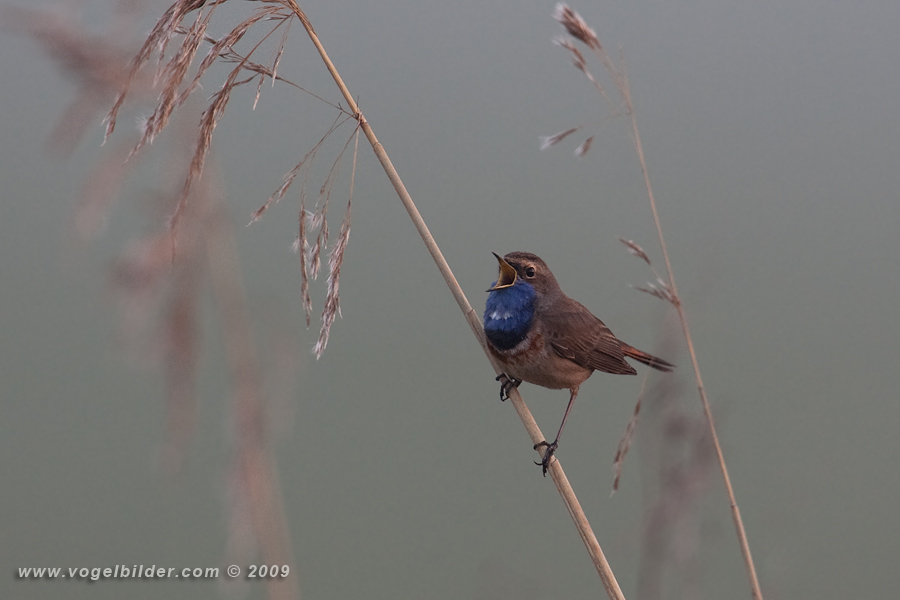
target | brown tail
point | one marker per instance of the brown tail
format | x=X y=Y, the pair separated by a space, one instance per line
x=648 y=359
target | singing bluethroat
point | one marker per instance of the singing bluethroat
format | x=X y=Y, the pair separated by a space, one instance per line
x=539 y=335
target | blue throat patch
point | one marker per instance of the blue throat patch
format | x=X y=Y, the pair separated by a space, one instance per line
x=508 y=313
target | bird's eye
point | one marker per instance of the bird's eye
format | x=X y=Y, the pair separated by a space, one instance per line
x=529 y=272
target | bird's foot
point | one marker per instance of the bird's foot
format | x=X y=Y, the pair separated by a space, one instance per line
x=506 y=384
x=548 y=454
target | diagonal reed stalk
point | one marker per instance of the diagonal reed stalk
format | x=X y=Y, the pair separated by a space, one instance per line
x=556 y=471
x=579 y=29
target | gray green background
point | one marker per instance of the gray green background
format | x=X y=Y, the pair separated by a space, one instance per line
x=772 y=135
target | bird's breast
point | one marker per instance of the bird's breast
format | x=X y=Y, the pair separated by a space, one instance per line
x=508 y=316
x=521 y=356
x=534 y=360
x=516 y=338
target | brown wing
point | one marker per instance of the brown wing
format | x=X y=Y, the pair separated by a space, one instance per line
x=579 y=336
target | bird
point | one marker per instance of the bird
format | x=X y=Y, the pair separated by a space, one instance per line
x=539 y=335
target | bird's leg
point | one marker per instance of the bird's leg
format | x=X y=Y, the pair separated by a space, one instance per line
x=506 y=384
x=552 y=446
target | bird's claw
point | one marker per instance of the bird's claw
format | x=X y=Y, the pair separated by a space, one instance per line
x=548 y=454
x=506 y=384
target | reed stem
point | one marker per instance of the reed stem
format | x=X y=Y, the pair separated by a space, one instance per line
x=534 y=432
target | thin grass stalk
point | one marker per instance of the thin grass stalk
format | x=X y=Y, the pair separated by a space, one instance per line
x=531 y=426
x=579 y=29
x=622 y=82
x=701 y=389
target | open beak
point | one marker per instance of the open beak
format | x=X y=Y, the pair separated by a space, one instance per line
x=507 y=275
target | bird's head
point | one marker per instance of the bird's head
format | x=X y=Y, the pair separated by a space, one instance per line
x=518 y=268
